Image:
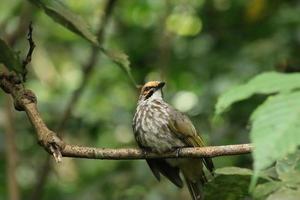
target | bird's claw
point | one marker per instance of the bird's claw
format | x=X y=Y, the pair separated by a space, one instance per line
x=145 y=153
x=178 y=150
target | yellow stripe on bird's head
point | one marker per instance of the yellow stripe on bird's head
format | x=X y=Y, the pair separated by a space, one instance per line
x=150 y=87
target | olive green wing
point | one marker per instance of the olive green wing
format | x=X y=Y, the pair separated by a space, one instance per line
x=184 y=129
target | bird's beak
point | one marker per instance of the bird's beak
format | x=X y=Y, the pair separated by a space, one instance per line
x=161 y=85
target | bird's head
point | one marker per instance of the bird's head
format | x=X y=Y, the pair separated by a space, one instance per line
x=152 y=90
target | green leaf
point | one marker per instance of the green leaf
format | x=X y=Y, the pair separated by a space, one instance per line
x=289 y=163
x=288 y=169
x=263 y=190
x=270 y=173
x=234 y=171
x=288 y=172
x=121 y=59
x=241 y=171
x=285 y=194
x=234 y=187
x=9 y=58
x=275 y=129
x=266 y=83
x=64 y=16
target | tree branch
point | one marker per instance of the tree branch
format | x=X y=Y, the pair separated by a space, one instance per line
x=25 y=100
x=131 y=153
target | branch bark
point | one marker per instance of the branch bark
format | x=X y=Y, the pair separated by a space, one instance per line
x=25 y=100
x=132 y=153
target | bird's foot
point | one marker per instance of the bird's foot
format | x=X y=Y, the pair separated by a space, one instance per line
x=146 y=151
x=178 y=150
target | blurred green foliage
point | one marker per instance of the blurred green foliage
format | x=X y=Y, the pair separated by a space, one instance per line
x=9 y=57
x=201 y=48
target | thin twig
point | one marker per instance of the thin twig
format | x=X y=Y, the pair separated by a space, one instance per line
x=27 y=60
x=133 y=82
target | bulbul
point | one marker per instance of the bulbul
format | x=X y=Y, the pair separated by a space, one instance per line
x=158 y=127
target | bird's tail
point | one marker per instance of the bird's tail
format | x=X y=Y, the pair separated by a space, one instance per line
x=194 y=178
x=195 y=188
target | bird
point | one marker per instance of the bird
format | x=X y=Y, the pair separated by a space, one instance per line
x=158 y=127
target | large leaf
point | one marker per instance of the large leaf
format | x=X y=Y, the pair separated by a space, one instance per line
x=230 y=187
x=241 y=171
x=265 y=189
x=285 y=194
x=119 y=58
x=266 y=83
x=9 y=58
x=289 y=163
x=122 y=61
x=233 y=171
x=275 y=129
x=64 y=16
x=288 y=169
x=235 y=182
x=287 y=176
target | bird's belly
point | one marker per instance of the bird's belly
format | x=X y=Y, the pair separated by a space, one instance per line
x=159 y=142
x=152 y=131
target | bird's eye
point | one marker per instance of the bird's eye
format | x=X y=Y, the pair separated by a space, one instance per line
x=149 y=93
x=147 y=88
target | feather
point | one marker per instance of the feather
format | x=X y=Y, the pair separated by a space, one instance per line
x=195 y=189
x=183 y=128
x=158 y=166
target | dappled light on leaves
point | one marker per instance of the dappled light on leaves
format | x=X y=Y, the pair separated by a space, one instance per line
x=184 y=24
x=185 y=101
